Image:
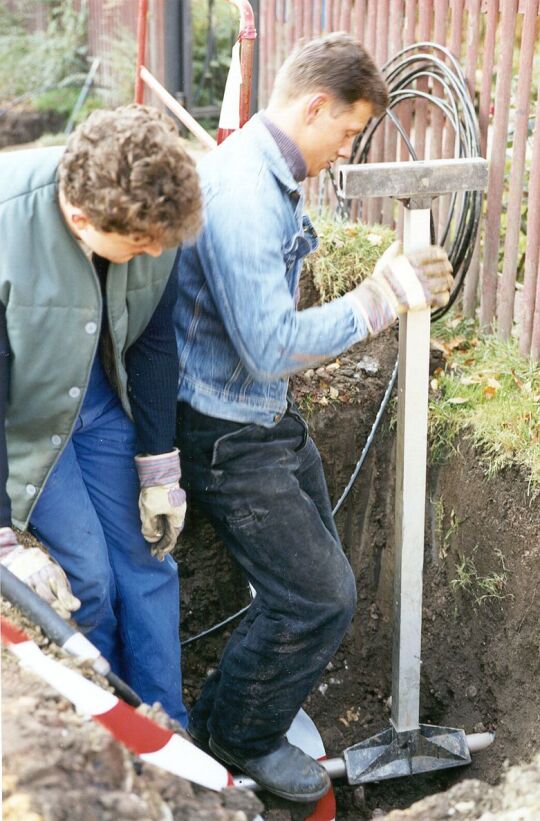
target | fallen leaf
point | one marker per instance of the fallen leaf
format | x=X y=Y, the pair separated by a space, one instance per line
x=458 y=400
x=493 y=383
x=334 y=393
x=490 y=392
x=434 y=384
x=323 y=400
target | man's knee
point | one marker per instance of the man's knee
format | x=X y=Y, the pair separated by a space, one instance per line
x=334 y=600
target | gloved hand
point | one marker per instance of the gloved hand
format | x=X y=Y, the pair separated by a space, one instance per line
x=37 y=570
x=162 y=502
x=403 y=282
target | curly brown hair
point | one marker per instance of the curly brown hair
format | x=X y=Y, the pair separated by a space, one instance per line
x=127 y=170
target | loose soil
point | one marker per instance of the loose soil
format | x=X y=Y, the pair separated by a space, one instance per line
x=481 y=654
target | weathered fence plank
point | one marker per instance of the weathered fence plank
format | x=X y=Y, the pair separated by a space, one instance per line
x=505 y=310
x=532 y=251
x=497 y=165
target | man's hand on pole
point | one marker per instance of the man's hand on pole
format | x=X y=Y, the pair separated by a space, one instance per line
x=403 y=282
x=162 y=502
x=37 y=570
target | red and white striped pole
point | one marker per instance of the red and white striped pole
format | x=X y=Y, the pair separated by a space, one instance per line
x=144 y=737
x=236 y=105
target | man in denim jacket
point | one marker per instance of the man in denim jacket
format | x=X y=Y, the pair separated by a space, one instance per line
x=248 y=460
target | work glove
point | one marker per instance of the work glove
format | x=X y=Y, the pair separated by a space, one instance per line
x=37 y=570
x=401 y=283
x=162 y=502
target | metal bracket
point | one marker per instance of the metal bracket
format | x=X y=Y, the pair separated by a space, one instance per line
x=391 y=754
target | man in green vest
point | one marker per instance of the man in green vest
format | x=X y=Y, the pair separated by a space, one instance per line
x=88 y=378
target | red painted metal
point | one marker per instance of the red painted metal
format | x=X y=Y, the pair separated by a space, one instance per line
x=507 y=287
x=497 y=163
x=142 y=23
x=247 y=36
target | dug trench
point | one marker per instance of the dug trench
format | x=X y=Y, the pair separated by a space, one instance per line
x=481 y=642
x=481 y=608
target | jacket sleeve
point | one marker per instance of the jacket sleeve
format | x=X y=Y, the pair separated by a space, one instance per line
x=5 y=505
x=240 y=250
x=152 y=369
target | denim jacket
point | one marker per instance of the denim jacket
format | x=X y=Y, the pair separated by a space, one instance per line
x=238 y=331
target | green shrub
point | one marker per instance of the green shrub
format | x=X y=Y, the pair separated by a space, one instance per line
x=34 y=60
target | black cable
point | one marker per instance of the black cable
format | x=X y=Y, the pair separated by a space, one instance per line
x=401 y=73
x=60 y=631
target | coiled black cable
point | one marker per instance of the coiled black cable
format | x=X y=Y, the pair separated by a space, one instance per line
x=420 y=61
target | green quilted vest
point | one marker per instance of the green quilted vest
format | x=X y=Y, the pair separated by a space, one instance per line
x=53 y=309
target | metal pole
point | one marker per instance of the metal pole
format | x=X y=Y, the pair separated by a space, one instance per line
x=413 y=385
x=173 y=47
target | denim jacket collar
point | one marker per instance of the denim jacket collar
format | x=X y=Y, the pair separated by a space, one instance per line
x=273 y=156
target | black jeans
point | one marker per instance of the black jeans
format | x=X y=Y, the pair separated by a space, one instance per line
x=264 y=491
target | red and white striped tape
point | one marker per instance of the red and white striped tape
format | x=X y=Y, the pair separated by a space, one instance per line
x=141 y=735
x=304 y=734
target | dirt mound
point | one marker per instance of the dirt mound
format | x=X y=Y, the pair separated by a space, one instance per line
x=517 y=798
x=60 y=765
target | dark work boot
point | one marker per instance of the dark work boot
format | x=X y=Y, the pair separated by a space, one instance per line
x=199 y=734
x=287 y=771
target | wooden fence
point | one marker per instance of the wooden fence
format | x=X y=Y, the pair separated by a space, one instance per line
x=498 y=44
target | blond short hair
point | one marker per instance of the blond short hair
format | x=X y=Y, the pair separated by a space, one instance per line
x=337 y=64
x=128 y=171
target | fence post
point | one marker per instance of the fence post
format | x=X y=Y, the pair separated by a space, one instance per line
x=532 y=251
x=496 y=168
x=507 y=289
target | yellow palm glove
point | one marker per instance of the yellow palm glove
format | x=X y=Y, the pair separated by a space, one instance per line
x=403 y=282
x=162 y=502
x=37 y=570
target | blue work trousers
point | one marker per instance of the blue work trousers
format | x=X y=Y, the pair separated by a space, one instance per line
x=88 y=517
x=264 y=491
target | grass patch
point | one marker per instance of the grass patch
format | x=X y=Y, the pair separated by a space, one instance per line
x=490 y=393
x=481 y=588
x=347 y=254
